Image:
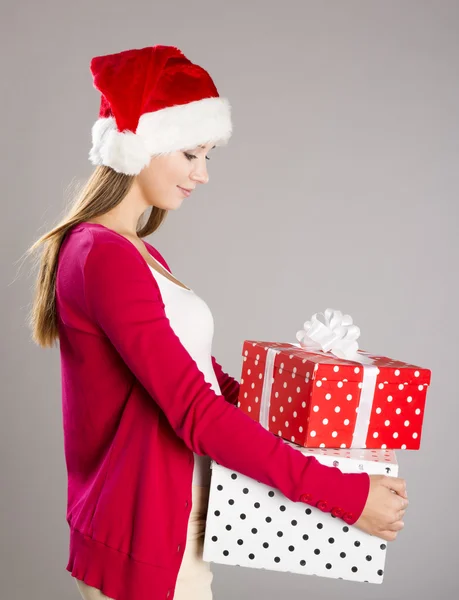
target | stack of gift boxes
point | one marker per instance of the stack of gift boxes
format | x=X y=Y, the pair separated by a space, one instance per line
x=348 y=414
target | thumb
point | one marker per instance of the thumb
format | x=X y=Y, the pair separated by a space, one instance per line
x=396 y=484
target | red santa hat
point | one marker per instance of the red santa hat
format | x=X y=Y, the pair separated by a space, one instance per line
x=154 y=101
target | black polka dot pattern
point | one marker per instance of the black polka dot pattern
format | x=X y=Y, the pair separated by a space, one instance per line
x=250 y=524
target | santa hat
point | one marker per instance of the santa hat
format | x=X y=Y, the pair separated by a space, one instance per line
x=154 y=101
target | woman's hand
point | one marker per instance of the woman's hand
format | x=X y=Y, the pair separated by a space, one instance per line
x=386 y=504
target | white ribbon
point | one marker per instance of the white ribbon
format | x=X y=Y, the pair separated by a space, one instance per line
x=265 y=402
x=335 y=333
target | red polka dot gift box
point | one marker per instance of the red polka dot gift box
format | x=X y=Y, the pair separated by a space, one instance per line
x=317 y=400
x=253 y=525
x=326 y=393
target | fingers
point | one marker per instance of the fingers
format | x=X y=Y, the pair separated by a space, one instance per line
x=389 y=536
x=399 y=514
x=396 y=526
x=392 y=530
x=397 y=484
x=403 y=503
x=403 y=506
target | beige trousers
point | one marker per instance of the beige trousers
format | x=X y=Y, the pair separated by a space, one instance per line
x=194 y=577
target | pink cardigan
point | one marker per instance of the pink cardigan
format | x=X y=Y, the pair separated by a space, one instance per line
x=135 y=407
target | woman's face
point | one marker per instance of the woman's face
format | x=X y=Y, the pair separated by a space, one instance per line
x=161 y=180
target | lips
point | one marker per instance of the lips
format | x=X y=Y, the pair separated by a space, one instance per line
x=185 y=190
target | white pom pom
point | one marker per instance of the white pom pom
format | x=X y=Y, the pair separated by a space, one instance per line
x=124 y=152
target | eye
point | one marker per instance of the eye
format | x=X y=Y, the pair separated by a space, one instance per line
x=192 y=156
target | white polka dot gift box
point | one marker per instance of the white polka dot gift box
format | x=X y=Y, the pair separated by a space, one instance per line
x=250 y=524
x=324 y=392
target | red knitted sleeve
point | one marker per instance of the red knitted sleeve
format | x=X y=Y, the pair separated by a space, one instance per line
x=125 y=302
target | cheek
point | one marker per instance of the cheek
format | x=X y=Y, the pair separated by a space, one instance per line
x=179 y=166
x=176 y=174
x=164 y=174
x=161 y=176
x=166 y=182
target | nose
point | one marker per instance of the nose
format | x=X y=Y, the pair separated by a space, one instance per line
x=200 y=174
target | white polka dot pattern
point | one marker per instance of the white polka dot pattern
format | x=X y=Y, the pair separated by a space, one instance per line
x=318 y=397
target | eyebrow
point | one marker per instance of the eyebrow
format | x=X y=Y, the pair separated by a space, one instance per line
x=203 y=147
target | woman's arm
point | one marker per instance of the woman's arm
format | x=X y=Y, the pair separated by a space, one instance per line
x=124 y=300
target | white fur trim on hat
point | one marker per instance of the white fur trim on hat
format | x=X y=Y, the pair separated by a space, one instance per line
x=124 y=152
x=178 y=127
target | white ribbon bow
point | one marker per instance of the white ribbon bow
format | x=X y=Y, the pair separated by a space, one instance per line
x=331 y=331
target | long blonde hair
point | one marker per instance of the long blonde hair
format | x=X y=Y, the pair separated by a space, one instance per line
x=104 y=190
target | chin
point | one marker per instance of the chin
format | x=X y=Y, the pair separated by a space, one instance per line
x=172 y=206
x=166 y=205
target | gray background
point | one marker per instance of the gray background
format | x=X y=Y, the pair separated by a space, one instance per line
x=338 y=189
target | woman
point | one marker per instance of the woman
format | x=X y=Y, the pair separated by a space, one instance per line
x=145 y=404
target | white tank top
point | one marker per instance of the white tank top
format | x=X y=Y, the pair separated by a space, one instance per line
x=192 y=321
